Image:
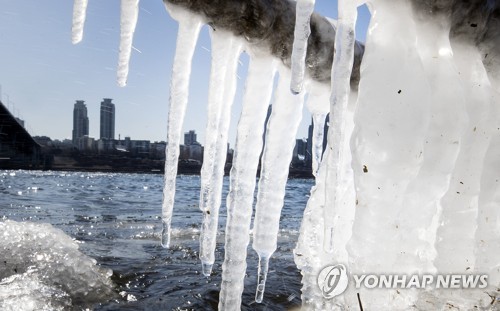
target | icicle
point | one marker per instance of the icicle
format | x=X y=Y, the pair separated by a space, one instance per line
x=280 y=139
x=309 y=254
x=460 y=201
x=128 y=21
x=258 y=90
x=455 y=242
x=79 y=11
x=391 y=124
x=487 y=235
x=225 y=53
x=418 y=218
x=187 y=36
x=301 y=34
x=317 y=143
x=341 y=76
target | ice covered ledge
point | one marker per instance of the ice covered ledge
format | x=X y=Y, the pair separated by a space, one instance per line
x=270 y=26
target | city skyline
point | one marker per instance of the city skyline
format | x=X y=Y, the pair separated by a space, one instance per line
x=42 y=72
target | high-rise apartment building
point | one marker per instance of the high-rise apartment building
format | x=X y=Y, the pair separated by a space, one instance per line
x=107 y=119
x=80 y=121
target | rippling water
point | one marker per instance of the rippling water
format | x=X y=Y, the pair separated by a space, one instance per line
x=117 y=217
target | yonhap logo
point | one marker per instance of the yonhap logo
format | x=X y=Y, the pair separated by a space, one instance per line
x=333 y=280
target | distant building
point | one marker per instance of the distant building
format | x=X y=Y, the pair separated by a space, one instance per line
x=86 y=143
x=106 y=145
x=157 y=150
x=140 y=148
x=192 y=149
x=43 y=140
x=190 y=138
x=107 y=119
x=80 y=121
x=195 y=152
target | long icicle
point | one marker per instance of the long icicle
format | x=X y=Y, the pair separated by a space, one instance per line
x=79 y=12
x=128 y=21
x=187 y=36
x=225 y=53
x=341 y=75
x=258 y=91
x=301 y=34
x=280 y=140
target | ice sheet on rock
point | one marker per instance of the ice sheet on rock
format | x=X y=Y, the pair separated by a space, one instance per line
x=128 y=21
x=187 y=36
x=258 y=91
x=487 y=238
x=39 y=260
x=341 y=75
x=456 y=248
x=387 y=142
x=447 y=103
x=79 y=12
x=280 y=140
x=302 y=31
x=225 y=53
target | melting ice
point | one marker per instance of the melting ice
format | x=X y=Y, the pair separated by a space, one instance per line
x=44 y=270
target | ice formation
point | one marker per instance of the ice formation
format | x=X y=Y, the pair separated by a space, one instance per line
x=128 y=21
x=280 y=139
x=44 y=270
x=226 y=50
x=79 y=12
x=189 y=28
x=302 y=32
x=256 y=100
x=409 y=182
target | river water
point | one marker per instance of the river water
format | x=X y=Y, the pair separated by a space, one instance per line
x=115 y=219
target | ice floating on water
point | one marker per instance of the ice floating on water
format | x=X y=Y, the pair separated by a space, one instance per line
x=128 y=21
x=79 y=12
x=27 y=291
x=42 y=267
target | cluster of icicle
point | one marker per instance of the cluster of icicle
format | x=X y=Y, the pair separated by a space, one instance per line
x=409 y=182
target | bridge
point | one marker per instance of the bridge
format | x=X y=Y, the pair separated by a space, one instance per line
x=18 y=150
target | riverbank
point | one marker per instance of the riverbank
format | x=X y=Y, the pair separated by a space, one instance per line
x=122 y=164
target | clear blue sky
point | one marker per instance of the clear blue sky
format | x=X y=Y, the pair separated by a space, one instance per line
x=42 y=73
